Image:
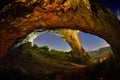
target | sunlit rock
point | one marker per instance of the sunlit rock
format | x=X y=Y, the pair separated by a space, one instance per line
x=31 y=37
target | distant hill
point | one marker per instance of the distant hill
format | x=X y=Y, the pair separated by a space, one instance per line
x=102 y=52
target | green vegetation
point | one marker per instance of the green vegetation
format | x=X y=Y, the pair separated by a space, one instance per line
x=60 y=55
x=80 y=60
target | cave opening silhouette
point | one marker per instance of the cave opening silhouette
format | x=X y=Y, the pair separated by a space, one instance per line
x=19 y=18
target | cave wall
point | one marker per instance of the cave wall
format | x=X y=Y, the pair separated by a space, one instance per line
x=30 y=37
x=20 y=17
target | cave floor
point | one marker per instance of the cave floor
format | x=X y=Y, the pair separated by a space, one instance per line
x=39 y=67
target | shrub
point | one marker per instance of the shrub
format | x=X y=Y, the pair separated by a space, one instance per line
x=46 y=48
x=80 y=60
x=35 y=46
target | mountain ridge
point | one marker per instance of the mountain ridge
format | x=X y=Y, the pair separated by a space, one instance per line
x=102 y=52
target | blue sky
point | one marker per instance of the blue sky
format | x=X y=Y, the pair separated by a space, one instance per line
x=89 y=42
x=114 y=5
x=52 y=40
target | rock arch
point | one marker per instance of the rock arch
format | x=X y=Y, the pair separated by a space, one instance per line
x=71 y=36
x=20 y=17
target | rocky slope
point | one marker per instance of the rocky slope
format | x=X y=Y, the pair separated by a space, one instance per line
x=33 y=63
x=104 y=52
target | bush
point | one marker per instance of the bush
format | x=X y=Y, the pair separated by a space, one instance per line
x=46 y=48
x=35 y=46
x=58 y=54
x=80 y=60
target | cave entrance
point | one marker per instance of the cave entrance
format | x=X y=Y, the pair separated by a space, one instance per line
x=95 y=46
x=65 y=40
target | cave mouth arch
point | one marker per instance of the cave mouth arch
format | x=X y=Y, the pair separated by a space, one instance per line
x=19 y=26
x=89 y=42
x=68 y=35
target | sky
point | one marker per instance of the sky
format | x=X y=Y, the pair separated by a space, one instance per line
x=89 y=42
x=53 y=41
x=114 y=5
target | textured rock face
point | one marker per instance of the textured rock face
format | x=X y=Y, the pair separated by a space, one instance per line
x=21 y=17
x=30 y=37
